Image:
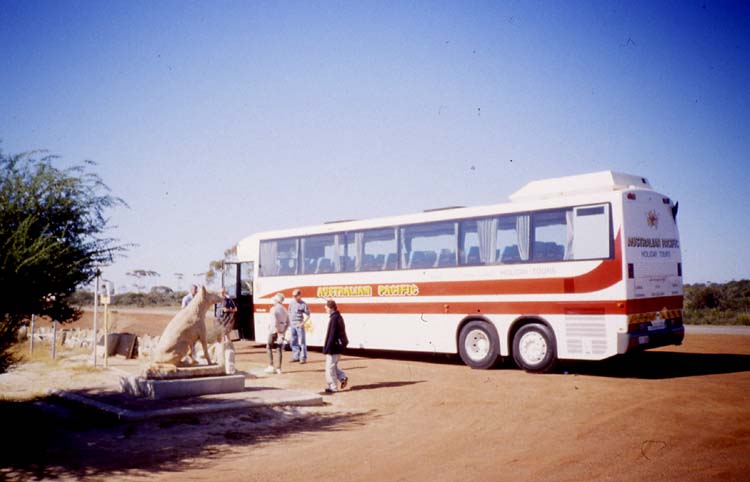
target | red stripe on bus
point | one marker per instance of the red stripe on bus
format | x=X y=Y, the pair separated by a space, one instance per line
x=526 y=308
x=606 y=274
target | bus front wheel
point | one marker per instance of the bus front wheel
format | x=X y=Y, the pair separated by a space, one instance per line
x=534 y=348
x=479 y=344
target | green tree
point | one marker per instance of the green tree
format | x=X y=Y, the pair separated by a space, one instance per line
x=216 y=266
x=52 y=239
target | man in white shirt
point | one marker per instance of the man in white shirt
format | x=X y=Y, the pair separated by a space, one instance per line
x=189 y=297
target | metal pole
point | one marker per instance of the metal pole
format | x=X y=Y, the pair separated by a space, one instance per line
x=54 y=339
x=31 y=343
x=96 y=313
x=106 y=335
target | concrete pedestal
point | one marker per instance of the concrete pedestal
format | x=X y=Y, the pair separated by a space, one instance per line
x=185 y=387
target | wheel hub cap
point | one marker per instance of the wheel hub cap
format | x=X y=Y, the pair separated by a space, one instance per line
x=477 y=345
x=533 y=347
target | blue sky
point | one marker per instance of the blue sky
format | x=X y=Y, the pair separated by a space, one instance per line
x=214 y=120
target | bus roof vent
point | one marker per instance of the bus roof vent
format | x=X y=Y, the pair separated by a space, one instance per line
x=580 y=184
x=432 y=210
x=339 y=221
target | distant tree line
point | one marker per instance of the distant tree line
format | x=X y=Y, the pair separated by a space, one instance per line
x=158 y=296
x=718 y=303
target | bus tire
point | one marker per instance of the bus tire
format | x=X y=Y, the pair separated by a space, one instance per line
x=534 y=348
x=478 y=344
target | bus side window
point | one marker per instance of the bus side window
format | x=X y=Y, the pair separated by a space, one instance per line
x=278 y=257
x=469 y=244
x=430 y=245
x=368 y=250
x=322 y=253
x=552 y=235
x=591 y=232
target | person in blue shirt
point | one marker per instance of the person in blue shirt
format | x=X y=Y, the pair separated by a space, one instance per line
x=299 y=314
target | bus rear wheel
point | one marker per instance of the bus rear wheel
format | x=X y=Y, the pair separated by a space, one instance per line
x=534 y=348
x=478 y=344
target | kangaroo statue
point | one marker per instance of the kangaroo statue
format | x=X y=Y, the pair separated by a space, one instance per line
x=180 y=335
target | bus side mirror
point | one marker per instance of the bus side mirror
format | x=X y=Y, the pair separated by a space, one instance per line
x=674 y=210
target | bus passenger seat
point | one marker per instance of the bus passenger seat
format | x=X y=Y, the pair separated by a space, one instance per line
x=472 y=258
x=447 y=258
x=511 y=254
x=310 y=265
x=422 y=259
x=392 y=261
x=325 y=265
x=368 y=263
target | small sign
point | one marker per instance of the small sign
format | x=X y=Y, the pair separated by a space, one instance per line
x=104 y=299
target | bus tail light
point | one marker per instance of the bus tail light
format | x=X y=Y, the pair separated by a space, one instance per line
x=631 y=196
x=679 y=269
x=631 y=270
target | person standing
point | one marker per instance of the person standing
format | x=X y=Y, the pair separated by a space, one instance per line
x=299 y=313
x=276 y=329
x=228 y=310
x=189 y=297
x=335 y=343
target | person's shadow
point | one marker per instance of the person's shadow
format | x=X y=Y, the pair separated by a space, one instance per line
x=375 y=386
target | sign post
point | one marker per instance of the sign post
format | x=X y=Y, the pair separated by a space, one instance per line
x=31 y=342
x=105 y=302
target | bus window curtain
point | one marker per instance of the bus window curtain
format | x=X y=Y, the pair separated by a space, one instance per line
x=487 y=233
x=337 y=253
x=405 y=249
x=268 y=263
x=523 y=225
x=569 y=240
x=359 y=249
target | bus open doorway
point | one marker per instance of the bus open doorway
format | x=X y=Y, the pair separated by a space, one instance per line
x=237 y=279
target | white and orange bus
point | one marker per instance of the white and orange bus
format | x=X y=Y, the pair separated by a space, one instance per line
x=581 y=267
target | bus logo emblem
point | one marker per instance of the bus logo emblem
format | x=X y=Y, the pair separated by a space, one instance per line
x=652 y=219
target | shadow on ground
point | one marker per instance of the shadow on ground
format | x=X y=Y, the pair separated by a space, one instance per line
x=655 y=365
x=375 y=386
x=52 y=439
x=646 y=364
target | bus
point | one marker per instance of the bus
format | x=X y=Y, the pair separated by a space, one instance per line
x=581 y=267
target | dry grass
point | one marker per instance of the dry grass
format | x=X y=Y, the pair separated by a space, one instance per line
x=43 y=353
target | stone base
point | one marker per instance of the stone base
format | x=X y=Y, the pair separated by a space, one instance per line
x=186 y=387
x=155 y=372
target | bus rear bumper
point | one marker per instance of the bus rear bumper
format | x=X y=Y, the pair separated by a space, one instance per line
x=627 y=342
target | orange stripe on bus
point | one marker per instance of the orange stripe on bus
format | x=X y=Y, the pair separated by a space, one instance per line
x=622 y=307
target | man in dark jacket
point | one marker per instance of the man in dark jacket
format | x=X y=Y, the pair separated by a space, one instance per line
x=336 y=342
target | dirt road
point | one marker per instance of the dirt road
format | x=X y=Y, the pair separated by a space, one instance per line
x=679 y=413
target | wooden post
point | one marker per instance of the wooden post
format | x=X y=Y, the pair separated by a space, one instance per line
x=54 y=339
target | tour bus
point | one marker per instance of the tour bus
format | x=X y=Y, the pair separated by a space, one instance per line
x=581 y=267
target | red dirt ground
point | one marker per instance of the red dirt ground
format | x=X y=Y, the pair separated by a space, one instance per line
x=677 y=413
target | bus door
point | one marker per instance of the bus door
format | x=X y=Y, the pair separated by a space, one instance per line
x=237 y=279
